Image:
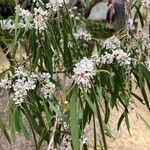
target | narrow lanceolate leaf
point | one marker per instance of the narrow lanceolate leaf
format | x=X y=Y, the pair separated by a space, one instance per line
x=23 y=128
x=14 y=124
x=3 y=129
x=92 y=106
x=141 y=82
x=101 y=123
x=120 y=121
x=146 y=74
x=74 y=120
x=146 y=123
x=140 y=16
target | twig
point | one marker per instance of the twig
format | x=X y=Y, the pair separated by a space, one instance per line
x=51 y=143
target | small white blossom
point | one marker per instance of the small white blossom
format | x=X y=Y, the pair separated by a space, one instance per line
x=54 y=5
x=122 y=57
x=65 y=125
x=26 y=17
x=83 y=139
x=83 y=71
x=96 y=59
x=130 y=24
x=5 y=83
x=20 y=72
x=48 y=88
x=82 y=34
x=25 y=81
x=144 y=38
x=112 y=43
x=40 y=18
x=107 y=58
x=146 y=3
x=66 y=143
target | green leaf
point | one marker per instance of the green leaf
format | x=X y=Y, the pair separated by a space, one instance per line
x=120 y=121
x=13 y=124
x=57 y=111
x=140 y=16
x=146 y=123
x=101 y=123
x=137 y=97
x=74 y=125
x=127 y=121
x=48 y=114
x=92 y=106
x=2 y=127
x=24 y=129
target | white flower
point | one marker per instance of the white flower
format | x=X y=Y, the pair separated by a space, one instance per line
x=48 y=88
x=122 y=57
x=20 y=72
x=65 y=125
x=82 y=34
x=5 y=83
x=144 y=39
x=40 y=18
x=26 y=17
x=107 y=58
x=66 y=143
x=146 y=3
x=54 y=5
x=83 y=71
x=112 y=43
x=83 y=139
x=96 y=59
x=25 y=81
x=131 y=24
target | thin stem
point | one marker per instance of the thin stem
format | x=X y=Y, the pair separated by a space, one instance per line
x=51 y=143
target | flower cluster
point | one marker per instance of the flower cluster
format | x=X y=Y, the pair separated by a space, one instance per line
x=23 y=83
x=107 y=58
x=54 y=5
x=36 y=20
x=66 y=143
x=143 y=38
x=146 y=3
x=48 y=87
x=112 y=43
x=25 y=17
x=40 y=17
x=82 y=34
x=7 y=24
x=95 y=59
x=83 y=139
x=73 y=15
x=5 y=83
x=83 y=71
x=122 y=57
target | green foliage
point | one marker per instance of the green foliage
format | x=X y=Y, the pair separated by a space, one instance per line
x=56 y=50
